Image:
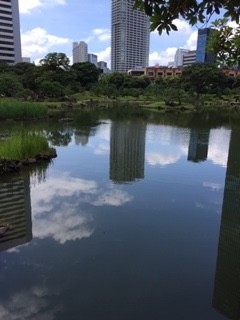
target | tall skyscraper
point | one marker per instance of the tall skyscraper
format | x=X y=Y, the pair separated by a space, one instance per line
x=10 y=43
x=202 y=54
x=79 y=51
x=130 y=37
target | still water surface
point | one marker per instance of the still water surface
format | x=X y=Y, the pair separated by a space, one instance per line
x=134 y=219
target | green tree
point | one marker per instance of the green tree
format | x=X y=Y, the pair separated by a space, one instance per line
x=4 y=67
x=51 y=89
x=55 y=60
x=9 y=85
x=85 y=73
x=164 y=12
x=26 y=74
x=203 y=78
x=115 y=79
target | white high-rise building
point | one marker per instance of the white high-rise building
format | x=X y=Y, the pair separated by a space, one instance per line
x=130 y=37
x=79 y=51
x=10 y=42
x=178 y=58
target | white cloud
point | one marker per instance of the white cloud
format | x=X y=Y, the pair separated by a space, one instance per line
x=182 y=26
x=213 y=186
x=26 y=6
x=163 y=158
x=102 y=149
x=105 y=55
x=192 y=41
x=65 y=224
x=163 y=57
x=113 y=198
x=102 y=34
x=37 y=42
x=218 y=146
x=29 y=304
x=57 y=207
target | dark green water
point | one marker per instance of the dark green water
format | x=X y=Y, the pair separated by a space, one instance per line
x=137 y=218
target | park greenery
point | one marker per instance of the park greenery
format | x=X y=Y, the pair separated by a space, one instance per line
x=28 y=91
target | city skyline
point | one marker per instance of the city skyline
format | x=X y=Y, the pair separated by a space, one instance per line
x=40 y=35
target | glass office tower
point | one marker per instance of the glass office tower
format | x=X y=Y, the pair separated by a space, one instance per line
x=202 y=54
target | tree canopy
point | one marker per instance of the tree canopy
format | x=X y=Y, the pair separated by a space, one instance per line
x=55 y=60
x=203 y=78
x=164 y=12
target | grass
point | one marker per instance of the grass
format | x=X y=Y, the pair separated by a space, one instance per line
x=12 y=109
x=23 y=146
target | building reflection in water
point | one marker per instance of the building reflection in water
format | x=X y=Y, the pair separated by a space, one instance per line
x=81 y=135
x=226 y=296
x=198 y=145
x=127 y=151
x=15 y=210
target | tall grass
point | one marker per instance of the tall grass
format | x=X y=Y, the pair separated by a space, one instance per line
x=22 y=110
x=23 y=146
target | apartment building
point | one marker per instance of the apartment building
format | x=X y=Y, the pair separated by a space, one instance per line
x=80 y=52
x=10 y=42
x=129 y=37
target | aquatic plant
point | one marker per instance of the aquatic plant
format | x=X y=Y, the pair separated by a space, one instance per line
x=23 y=146
x=22 y=110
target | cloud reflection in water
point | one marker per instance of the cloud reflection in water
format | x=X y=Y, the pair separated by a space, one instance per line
x=56 y=207
x=29 y=304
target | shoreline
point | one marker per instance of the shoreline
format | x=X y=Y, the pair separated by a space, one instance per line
x=11 y=166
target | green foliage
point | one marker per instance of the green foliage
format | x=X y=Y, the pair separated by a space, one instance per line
x=225 y=43
x=23 y=146
x=85 y=73
x=9 y=85
x=55 y=60
x=51 y=89
x=116 y=83
x=164 y=12
x=203 y=78
x=22 y=110
x=173 y=96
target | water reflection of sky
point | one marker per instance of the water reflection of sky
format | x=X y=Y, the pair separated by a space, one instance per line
x=118 y=251
x=32 y=303
x=61 y=206
x=167 y=145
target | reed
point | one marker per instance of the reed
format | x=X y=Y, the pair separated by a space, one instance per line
x=22 y=110
x=22 y=146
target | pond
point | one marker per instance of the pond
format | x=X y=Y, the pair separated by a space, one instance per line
x=137 y=218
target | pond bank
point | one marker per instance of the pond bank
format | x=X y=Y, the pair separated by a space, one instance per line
x=11 y=166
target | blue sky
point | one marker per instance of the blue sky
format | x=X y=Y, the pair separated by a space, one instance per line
x=52 y=26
